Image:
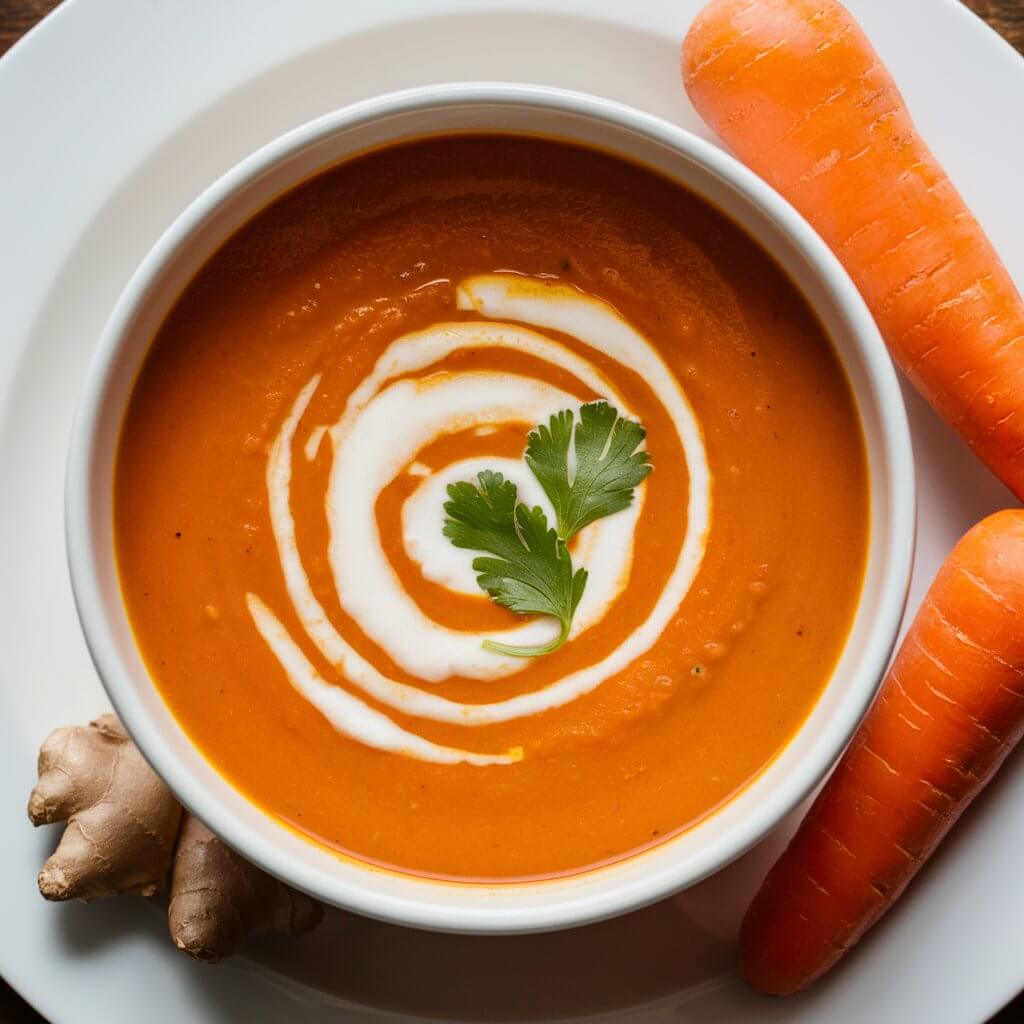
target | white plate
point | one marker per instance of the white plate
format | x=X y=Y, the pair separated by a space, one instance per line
x=113 y=115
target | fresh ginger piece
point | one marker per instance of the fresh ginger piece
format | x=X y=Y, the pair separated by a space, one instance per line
x=123 y=829
x=218 y=899
x=122 y=819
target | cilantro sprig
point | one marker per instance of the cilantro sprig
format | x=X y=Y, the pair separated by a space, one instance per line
x=587 y=473
x=608 y=465
x=532 y=572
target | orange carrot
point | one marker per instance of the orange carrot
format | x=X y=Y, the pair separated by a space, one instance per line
x=795 y=88
x=950 y=709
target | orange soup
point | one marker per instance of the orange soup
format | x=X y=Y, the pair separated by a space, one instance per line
x=306 y=484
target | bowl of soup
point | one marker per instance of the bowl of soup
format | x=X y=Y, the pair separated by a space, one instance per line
x=490 y=508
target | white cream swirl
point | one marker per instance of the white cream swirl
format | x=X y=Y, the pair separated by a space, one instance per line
x=387 y=420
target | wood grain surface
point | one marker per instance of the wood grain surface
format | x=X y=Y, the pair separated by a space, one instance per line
x=18 y=16
x=1005 y=16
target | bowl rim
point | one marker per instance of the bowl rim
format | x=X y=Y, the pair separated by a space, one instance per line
x=613 y=899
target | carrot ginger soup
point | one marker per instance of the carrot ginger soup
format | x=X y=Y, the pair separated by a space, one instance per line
x=490 y=508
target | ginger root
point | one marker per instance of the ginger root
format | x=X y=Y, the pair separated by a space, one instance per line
x=122 y=819
x=124 y=827
x=218 y=899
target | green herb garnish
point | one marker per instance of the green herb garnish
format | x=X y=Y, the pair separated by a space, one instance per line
x=532 y=573
x=608 y=465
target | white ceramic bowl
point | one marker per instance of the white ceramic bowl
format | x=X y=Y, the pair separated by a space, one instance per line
x=506 y=908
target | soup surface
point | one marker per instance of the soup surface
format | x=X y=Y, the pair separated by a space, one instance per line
x=399 y=324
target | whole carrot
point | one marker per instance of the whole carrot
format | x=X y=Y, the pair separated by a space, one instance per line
x=795 y=88
x=950 y=709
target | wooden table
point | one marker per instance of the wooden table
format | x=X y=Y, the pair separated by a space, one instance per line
x=18 y=16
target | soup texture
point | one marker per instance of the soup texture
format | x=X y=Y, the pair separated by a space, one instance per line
x=397 y=325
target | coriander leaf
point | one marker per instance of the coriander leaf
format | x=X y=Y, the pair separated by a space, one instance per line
x=608 y=465
x=547 y=455
x=531 y=573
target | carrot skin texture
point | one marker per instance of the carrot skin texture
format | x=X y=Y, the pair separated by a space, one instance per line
x=949 y=711
x=796 y=90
